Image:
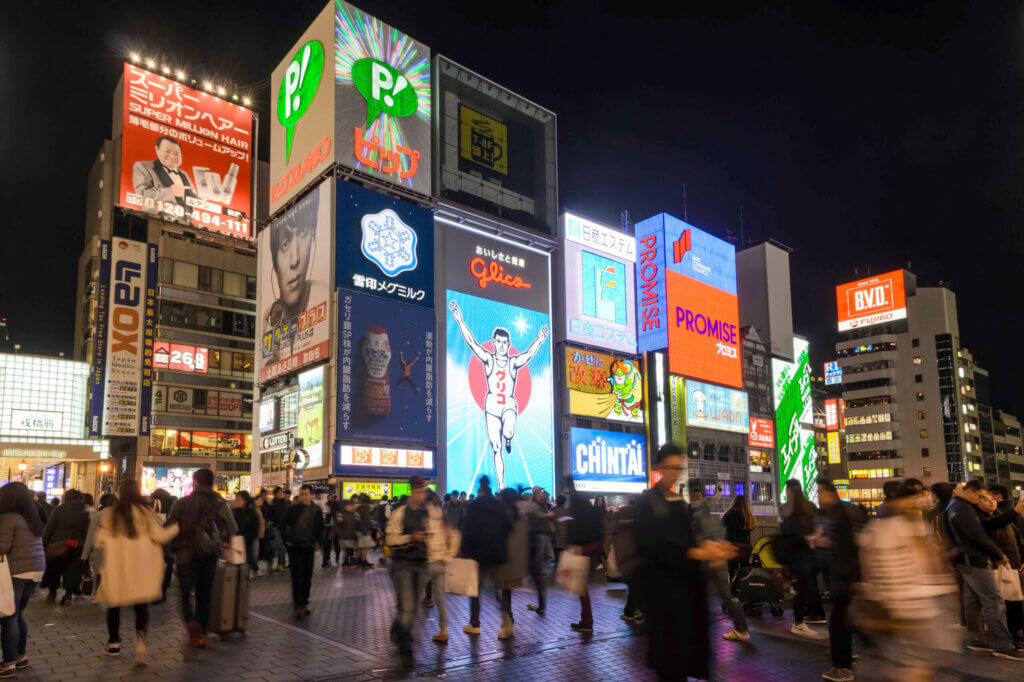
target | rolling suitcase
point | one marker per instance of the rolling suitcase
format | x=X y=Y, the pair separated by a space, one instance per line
x=229 y=601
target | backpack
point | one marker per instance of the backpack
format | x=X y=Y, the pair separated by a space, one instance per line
x=206 y=542
x=380 y=514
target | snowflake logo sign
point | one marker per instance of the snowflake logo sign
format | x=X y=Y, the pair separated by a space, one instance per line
x=389 y=242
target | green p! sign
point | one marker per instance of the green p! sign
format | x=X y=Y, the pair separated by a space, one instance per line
x=301 y=80
x=384 y=88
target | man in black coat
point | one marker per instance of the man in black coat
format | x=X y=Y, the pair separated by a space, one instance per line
x=303 y=530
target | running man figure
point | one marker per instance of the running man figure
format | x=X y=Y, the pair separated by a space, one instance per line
x=501 y=370
x=407 y=372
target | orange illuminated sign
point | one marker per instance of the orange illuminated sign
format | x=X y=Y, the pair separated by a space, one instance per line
x=493 y=272
x=703 y=331
x=870 y=301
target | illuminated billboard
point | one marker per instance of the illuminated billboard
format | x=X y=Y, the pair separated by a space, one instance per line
x=386 y=382
x=832 y=414
x=268 y=414
x=186 y=155
x=834 y=456
x=368 y=460
x=604 y=386
x=496 y=344
x=42 y=396
x=180 y=357
x=870 y=301
x=793 y=420
x=497 y=149
x=762 y=433
x=122 y=383
x=677 y=406
x=686 y=299
x=384 y=246
x=310 y=428
x=600 y=298
x=716 y=407
x=294 y=287
x=833 y=373
x=606 y=461
x=354 y=91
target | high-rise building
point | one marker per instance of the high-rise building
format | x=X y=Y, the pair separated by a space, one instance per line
x=1008 y=449
x=911 y=408
x=166 y=294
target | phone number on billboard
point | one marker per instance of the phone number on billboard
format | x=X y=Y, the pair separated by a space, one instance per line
x=199 y=217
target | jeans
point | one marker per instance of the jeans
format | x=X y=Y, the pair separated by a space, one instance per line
x=13 y=628
x=805 y=579
x=436 y=571
x=981 y=596
x=300 y=563
x=114 y=621
x=718 y=586
x=408 y=577
x=840 y=635
x=252 y=554
x=197 y=576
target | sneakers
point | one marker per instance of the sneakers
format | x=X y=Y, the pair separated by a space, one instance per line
x=538 y=609
x=441 y=636
x=736 y=636
x=112 y=649
x=1009 y=654
x=21 y=663
x=471 y=630
x=140 y=648
x=983 y=648
x=838 y=675
x=7 y=670
x=804 y=630
x=816 y=620
x=506 y=632
x=580 y=627
x=427 y=603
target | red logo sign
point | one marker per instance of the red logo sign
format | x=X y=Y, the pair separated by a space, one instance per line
x=681 y=246
x=493 y=272
x=762 y=433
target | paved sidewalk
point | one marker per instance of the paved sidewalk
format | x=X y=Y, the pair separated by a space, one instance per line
x=346 y=639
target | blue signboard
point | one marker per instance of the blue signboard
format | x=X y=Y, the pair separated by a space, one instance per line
x=716 y=407
x=651 y=302
x=693 y=252
x=833 y=373
x=386 y=389
x=384 y=246
x=608 y=462
x=50 y=480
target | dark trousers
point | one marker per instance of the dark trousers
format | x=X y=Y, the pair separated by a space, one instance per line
x=805 y=579
x=168 y=572
x=1014 y=617
x=300 y=563
x=13 y=628
x=474 y=602
x=114 y=621
x=633 y=601
x=592 y=550
x=537 y=548
x=196 y=577
x=329 y=542
x=840 y=635
x=67 y=570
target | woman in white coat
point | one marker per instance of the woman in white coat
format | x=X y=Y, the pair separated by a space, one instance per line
x=132 y=538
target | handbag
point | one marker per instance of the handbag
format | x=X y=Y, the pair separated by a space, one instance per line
x=461 y=576
x=234 y=553
x=88 y=584
x=1008 y=581
x=573 y=572
x=7 y=607
x=57 y=550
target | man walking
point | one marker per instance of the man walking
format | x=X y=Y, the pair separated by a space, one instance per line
x=303 y=528
x=205 y=523
x=407 y=535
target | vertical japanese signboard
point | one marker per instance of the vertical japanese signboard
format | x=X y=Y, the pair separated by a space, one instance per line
x=294 y=287
x=793 y=420
x=186 y=155
x=499 y=383
x=128 y=345
x=600 y=300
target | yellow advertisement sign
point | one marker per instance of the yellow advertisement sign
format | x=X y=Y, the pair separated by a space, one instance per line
x=603 y=386
x=483 y=140
x=833 y=447
x=375 y=489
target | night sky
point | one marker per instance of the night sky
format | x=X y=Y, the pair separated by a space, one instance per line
x=864 y=138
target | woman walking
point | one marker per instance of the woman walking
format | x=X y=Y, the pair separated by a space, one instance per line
x=738 y=522
x=800 y=533
x=63 y=539
x=132 y=539
x=20 y=531
x=250 y=527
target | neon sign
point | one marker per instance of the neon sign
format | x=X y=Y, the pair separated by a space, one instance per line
x=493 y=272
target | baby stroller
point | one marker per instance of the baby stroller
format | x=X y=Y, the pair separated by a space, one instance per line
x=758 y=581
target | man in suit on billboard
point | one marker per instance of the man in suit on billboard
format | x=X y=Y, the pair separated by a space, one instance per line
x=162 y=178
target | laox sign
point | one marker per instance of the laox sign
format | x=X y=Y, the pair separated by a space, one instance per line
x=124 y=319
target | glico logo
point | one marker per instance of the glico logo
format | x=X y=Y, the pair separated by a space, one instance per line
x=649 y=301
x=493 y=272
x=124 y=317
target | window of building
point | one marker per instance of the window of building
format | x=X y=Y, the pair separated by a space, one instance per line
x=724 y=451
x=922 y=414
x=918 y=378
x=234 y=284
x=186 y=275
x=927 y=472
x=250 y=287
x=709 y=452
x=920 y=395
x=692 y=449
x=870 y=473
x=915 y=342
x=205 y=278
x=924 y=433
x=917 y=360
x=925 y=452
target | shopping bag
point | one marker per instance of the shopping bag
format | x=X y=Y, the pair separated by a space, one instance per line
x=7 y=607
x=1008 y=580
x=573 y=572
x=234 y=553
x=611 y=565
x=461 y=576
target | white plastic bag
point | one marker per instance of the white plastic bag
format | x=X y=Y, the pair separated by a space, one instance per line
x=573 y=572
x=461 y=576
x=1008 y=580
x=7 y=607
x=235 y=552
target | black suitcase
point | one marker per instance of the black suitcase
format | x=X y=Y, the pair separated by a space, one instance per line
x=757 y=585
x=229 y=601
